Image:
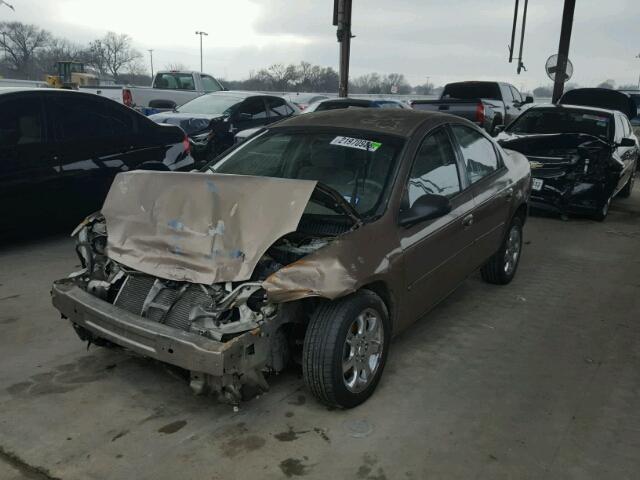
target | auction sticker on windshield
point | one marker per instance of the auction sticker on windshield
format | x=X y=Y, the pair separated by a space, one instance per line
x=358 y=143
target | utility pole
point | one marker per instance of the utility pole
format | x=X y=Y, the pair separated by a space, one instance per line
x=342 y=20
x=201 y=34
x=563 y=49
x=151 y=55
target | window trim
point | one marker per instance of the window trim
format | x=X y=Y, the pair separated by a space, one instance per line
x=501 y=165
x=461 y=180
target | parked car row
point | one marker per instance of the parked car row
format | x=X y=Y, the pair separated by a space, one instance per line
x=265 y=254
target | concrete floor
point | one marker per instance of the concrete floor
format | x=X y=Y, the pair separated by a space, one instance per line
x=538 y=379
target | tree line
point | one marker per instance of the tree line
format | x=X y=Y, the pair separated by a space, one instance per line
x=31 y=53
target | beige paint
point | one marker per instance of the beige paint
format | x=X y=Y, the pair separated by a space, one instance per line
x=199 y=227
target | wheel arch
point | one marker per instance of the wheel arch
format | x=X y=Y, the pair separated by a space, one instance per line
x=382 y=290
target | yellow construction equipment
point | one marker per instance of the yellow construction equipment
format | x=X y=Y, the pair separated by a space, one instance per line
x=72 y=75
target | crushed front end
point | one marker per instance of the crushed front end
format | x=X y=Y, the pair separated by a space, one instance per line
x=140 y=288
x=571 y=173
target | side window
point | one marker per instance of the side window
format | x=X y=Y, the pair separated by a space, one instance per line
x=435 y=169
x=619 y=128
x=507 y=96
x=278 y=107
x=480 y=158
x=516 y=94
x=255 y=108
x=21 y=122
x=209 y=84
x=627 y=126
x=80 y=118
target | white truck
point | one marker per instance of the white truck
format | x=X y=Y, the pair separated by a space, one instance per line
x=169 y=90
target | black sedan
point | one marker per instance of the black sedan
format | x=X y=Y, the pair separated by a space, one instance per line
x=60 y=149
x=212 y=121
x=580 y=157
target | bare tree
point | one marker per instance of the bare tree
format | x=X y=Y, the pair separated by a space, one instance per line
x=176 y=66
x=115 y=53
x=22 y=42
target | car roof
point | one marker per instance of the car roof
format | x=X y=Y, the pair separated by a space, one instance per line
x=572 y=107
x=397 y=122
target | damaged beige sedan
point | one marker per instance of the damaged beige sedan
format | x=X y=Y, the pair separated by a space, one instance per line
x=314 y=241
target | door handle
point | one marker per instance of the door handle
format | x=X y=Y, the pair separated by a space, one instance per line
x=467 y=221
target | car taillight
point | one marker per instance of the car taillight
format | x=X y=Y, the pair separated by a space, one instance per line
x=127 y=98
x=480 y=113
x=186 y=145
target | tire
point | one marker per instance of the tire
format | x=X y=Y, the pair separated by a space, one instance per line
x=628 y=188
x=601 y=214
x=325 y=350
x=502 y=266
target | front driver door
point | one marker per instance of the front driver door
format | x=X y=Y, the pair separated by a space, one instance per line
x=437 y=253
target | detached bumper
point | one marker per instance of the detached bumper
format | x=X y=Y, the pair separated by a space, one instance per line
x=151 y=339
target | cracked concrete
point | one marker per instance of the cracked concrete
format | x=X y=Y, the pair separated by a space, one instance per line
x=538 y=379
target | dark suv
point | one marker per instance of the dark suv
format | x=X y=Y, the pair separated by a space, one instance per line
x=60 y=149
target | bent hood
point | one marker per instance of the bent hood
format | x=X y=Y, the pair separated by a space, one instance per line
x=554 y=144
x=189 y=122
x=199 y=227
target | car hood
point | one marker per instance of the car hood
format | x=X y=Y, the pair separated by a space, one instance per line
x=189 y=122
x=199 y=227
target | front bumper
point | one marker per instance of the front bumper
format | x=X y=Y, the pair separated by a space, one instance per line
x=151 y=339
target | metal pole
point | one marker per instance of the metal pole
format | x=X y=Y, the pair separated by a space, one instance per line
x=638 y=56
x=151 y=55
x=342 y=17
x=513 y=31
x=563 y=49
x=201 y=34
x=524 y=24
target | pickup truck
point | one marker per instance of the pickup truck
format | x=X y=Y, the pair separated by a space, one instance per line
x=169 y=90
x=487 y=104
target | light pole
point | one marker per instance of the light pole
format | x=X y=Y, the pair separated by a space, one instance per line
x=201 y=34
x=638 y=56
x=151 y=56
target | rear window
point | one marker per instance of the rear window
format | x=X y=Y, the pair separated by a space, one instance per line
x=174 y=81
x=469 y=91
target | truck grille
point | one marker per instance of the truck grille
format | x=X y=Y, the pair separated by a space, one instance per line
x=167 y=305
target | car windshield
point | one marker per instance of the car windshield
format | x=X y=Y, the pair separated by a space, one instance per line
x=554 y=120
x=470 y=91
x=210 y=104
x=358 y=165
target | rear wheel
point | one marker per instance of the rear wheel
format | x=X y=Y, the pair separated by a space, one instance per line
x=502 y=266
x=345 y=349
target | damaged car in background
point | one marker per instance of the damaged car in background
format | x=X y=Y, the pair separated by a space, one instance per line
x=314 y=241
x=212 y=121
x=581 y=157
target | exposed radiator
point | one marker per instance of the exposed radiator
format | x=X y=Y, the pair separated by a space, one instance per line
x=169 y=305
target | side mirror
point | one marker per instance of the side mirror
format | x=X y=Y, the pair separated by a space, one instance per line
x=528 y=99
x=497 y=130
x=627 y=142
x=427 y=207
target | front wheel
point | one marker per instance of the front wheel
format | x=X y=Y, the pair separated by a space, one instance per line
x=502 y=266
x=345 y=349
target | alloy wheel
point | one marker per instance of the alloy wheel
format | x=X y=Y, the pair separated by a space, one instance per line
x=362 y=351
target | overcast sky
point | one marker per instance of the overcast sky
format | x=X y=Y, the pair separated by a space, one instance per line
x=446 y=40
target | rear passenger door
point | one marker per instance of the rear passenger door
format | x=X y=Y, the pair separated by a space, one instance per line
x=491 y=187
x=437 y=253
x=510 y=109
x=29 y=170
